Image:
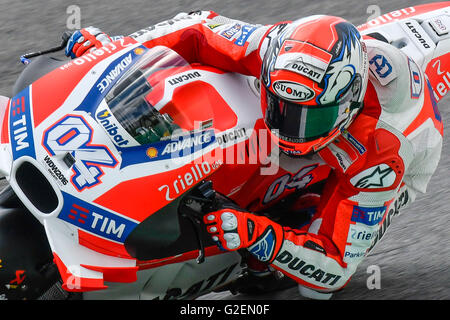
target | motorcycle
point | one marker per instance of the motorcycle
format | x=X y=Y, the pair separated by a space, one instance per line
x=112 y=159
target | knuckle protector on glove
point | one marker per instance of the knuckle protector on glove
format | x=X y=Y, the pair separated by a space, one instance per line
x=229 y=221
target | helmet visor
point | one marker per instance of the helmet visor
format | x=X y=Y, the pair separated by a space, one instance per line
x=299 y=123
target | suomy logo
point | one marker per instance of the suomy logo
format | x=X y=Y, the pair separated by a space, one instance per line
x=293 y=91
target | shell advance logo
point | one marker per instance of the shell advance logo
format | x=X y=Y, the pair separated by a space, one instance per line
x=113 y=73
x=177 y=147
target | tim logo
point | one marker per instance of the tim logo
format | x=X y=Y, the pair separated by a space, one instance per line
x=96 y=220
x=20 y=125
x=368 y=216
x=74 y=135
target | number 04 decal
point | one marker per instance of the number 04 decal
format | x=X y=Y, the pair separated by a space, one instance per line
x=298 y=181
x=73 y=134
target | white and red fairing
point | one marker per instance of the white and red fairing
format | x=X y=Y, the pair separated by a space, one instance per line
x=87 y=258
x=109 y=190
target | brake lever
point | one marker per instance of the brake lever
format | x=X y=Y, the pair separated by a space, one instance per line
x=25 y=59
x=203 y=197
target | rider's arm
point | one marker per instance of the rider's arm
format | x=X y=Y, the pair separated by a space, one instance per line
x=210 y=39
x=352 y=214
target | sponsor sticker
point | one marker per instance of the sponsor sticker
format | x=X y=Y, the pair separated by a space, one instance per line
x=152 y=152
x=419 y=35
x=231 y=32
x=118 y=135
x=303 y=58
x=94 y=219
x=380 y=176
x=184 y=77
x=114 y=73
x=185 y=180
x=305 y=269
x=213 y=25
x=342 y=157
x=231 y=136
x=245 y=34
x=354 y=254
x=179 y=146
x=368 y=215
x=21 y=126
x=382 y=69
x=188 y=144
x=415 y=79
x=441 y=25
x=293 y=91
x=361 y=235
x=54 y=170
x=355 y=143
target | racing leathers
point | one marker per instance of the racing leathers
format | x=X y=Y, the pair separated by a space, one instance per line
x=376 y=167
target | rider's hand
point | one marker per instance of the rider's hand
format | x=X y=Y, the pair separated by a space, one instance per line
x=86 y=39
x=235 y=229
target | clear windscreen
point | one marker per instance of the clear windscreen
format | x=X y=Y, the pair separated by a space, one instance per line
x=128 y=99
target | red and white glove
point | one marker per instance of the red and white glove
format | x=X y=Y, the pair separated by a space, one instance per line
x=89 y=38
x=235 y=229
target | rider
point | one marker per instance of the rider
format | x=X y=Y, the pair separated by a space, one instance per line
x=357 y=103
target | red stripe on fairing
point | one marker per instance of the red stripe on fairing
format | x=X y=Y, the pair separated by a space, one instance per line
x=102 y=245
x=51 y=90
x=290 y=46
x=73 y=283
x=4 y=132
x=402 y=14
x=69 y=135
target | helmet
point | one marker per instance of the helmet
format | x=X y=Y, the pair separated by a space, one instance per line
x=313 y=79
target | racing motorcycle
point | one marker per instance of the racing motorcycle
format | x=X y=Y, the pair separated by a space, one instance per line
x=111 y=160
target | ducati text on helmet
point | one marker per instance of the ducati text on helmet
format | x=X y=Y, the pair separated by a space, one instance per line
x=314 y=77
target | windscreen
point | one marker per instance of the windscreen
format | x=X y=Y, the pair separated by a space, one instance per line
x=128 y=100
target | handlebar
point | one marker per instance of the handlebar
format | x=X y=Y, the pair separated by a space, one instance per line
x=25 y=59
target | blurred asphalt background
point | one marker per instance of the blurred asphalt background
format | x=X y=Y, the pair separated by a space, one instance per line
x=414 y=255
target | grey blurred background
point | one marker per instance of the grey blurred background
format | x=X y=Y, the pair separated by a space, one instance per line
x=413 y=257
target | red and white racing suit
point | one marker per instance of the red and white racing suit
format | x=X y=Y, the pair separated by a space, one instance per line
x=379 y=165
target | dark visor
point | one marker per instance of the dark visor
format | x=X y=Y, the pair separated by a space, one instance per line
x=301 y=123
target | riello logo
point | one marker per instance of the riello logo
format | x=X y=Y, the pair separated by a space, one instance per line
x=293 y=91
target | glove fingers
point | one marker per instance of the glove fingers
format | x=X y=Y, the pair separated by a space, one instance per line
x=229 y=221
x=233 y=241
x=81 y=50
x=72 y=43
x=84 y=40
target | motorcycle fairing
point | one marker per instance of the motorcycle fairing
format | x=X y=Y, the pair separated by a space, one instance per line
x=89 y=225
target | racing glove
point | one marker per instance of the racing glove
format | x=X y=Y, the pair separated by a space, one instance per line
x=233 y=229
x=89 y=38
